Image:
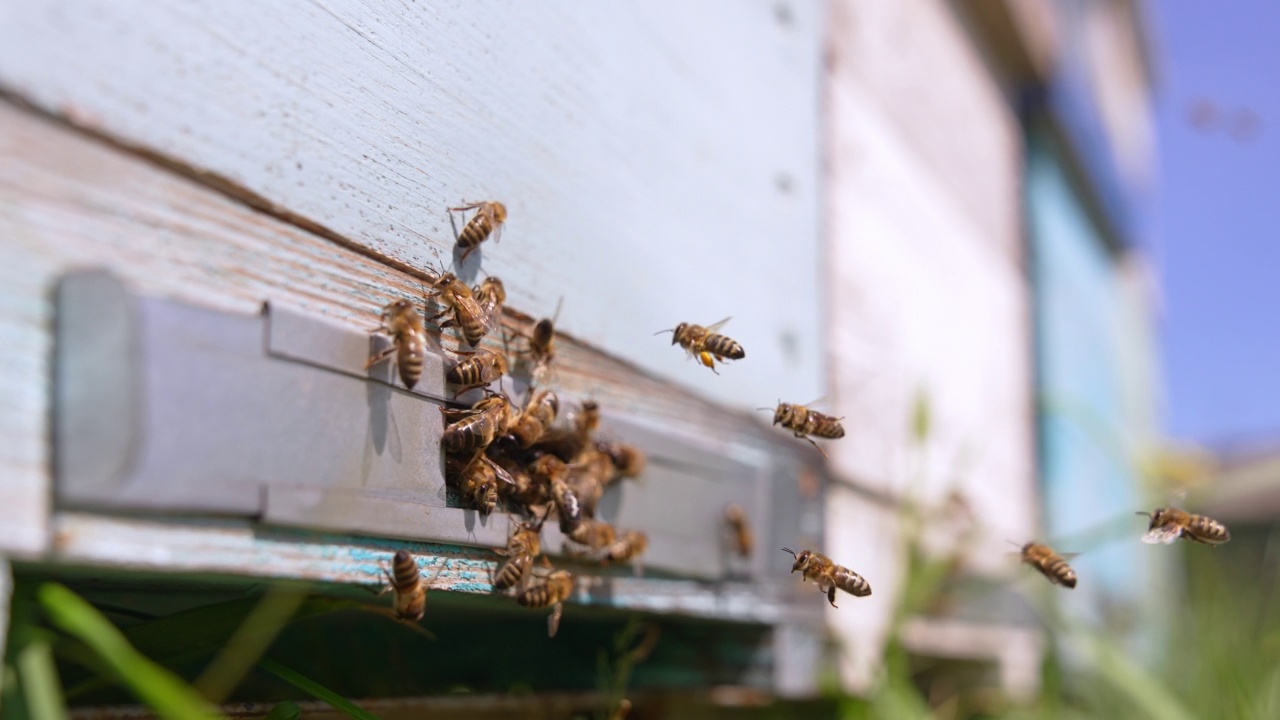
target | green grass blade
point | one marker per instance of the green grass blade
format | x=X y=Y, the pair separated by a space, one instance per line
x=40 y=685
x=316 y=690
x=165 y=692
x=249 y=641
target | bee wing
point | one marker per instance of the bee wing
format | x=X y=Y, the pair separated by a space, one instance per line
x=1164 y=534
x=716 y=326
x=500 y=472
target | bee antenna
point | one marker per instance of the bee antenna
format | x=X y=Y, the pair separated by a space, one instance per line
x=670 y=330
x=766 y=409
x=1143 y=512
x=1013 y=543
x=789 y=550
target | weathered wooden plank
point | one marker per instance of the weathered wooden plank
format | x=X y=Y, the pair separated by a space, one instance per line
x=240 y=548
x=73 y=202
x=655 y=171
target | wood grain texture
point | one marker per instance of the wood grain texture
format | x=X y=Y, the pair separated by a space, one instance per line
x=659 y=160
x=70 y=202
x=239 y=548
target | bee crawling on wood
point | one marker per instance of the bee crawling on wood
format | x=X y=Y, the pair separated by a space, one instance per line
x=548 y=591
x=803 y=423
x=540 y=410
x=468 y=315
x=476 y=428
x=629 y=547
x=705 y=344
x=477 y=480
x=490 y=294
x=1049 y=563
x=1169 y=524
x=403 y=323
x=486 y=223
x=478 y=369
x=828 y=575
x=523 y=546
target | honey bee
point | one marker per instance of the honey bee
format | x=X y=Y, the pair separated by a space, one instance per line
x=743 y=541
x=485 y=223
x=803 y=422
x=476 y=428
x=524 y=544
x=588 y=475
x=829 y=575
x=406 y=582
x=551 y=590
x=706 y=344
x=477 y=480
x=480 y=368
x=457 y=299
x=539 y=413
x=552 y=471
x=490 y=294
x=541 y=349
x=631 y=545
x=403 y=323
x=1169 y=524
x=1049 y=563
x=571 y=432
x=628 y=459
x=595 y=534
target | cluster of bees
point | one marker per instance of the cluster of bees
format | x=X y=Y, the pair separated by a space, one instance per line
x=539 y=459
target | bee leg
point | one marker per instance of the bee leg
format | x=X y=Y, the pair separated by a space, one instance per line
x=814 y=444
x=553 y=622
x=706 y=359
x=831 y=597
x=379 y=357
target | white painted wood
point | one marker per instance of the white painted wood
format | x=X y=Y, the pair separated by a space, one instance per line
x=927 y=300
x=659 y=159
x=71 y=202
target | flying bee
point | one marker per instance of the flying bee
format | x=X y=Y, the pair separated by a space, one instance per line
x=476 y=428
x=477 y=480
x=628 y=459
x=457 y=299
x=551 y=590
x=1049 y=563
x=480 y=368
x=404 y=324
x=803 y=422
x=828 y=575
x=630 y=546
x=406 y=582
x=1169 y=524
x=595 y=534
x=539 y=413
x=540 y=347
x=486 y=223
x=490 y=294
x=524 y=544
x=706 y=344
x=743 y=540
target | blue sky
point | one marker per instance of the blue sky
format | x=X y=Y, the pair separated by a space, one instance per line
x=1217 y=227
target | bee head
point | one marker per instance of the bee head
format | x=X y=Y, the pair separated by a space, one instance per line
x=781 y=413
x=1157 y=517
x=802 y=558
x=679 y=332
x=499 y=211
x=495 y=286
